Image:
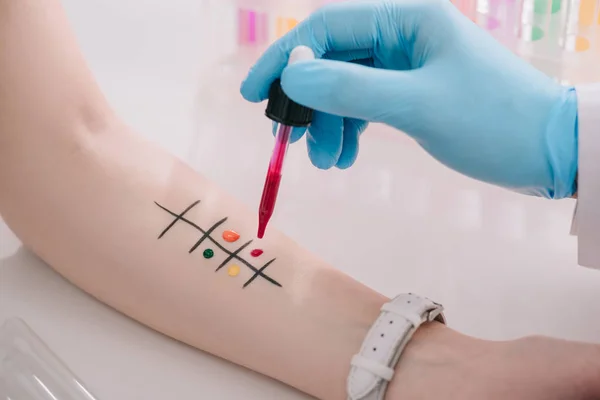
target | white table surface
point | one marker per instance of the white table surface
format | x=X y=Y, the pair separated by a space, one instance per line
x=503 y=265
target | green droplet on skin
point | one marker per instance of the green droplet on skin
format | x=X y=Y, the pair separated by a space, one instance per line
x=208 y=253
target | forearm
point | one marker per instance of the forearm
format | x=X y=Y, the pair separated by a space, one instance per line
x=96 y=222
x=80 y=190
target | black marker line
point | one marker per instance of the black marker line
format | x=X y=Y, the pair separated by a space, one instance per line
x=177 y=217
x=216 y=243
x=207 y=234
x=266 y=277
x=232 y=255
x=260 y=271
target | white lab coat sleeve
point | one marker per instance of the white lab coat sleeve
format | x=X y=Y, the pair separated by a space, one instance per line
x=586 y=221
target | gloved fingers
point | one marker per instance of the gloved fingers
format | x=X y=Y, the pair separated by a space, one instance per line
x=365 y=62
x=349 y=55
x=297 y=132
x=355 y=57
x=351 y=90
x=353 y=128
x=336 y=27
x=324 y=140
x=396 y=61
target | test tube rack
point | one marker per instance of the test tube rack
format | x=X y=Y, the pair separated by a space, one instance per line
x=561 y=37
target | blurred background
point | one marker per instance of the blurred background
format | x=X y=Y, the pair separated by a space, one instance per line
x=504 y=265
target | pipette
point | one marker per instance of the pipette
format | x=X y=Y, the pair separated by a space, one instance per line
x=288 y=114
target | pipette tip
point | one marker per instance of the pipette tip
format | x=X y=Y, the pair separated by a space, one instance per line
x=263 y=221
x=261 y=231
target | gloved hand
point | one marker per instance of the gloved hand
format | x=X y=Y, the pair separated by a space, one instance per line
x=423 y=68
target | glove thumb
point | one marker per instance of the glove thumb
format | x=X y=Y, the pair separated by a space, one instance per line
x=352 y=90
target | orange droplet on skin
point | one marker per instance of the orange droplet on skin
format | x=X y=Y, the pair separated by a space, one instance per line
x=230 y=236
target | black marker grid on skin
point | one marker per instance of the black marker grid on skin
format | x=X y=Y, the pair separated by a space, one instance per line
x=206 y=235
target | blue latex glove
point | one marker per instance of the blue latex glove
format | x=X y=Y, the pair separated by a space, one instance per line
x=422 y=67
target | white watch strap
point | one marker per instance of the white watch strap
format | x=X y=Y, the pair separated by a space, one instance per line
x=373 y=367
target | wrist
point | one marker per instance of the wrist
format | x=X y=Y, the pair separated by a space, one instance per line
x=332 y=319
x=434 y=349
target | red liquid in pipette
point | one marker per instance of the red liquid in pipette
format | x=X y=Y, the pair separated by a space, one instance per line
x=271 y=188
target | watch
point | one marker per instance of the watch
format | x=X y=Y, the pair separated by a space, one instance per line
x=373 y=367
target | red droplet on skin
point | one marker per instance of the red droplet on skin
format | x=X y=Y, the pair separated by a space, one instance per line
x=256 y=252
x=230 y=236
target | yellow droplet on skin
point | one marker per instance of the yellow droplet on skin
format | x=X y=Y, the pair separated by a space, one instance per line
x=233 y=270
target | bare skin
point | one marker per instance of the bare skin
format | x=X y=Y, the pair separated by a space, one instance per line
x=79 y=188
x=442 y=365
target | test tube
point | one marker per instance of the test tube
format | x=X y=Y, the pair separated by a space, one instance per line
x=30 y=370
